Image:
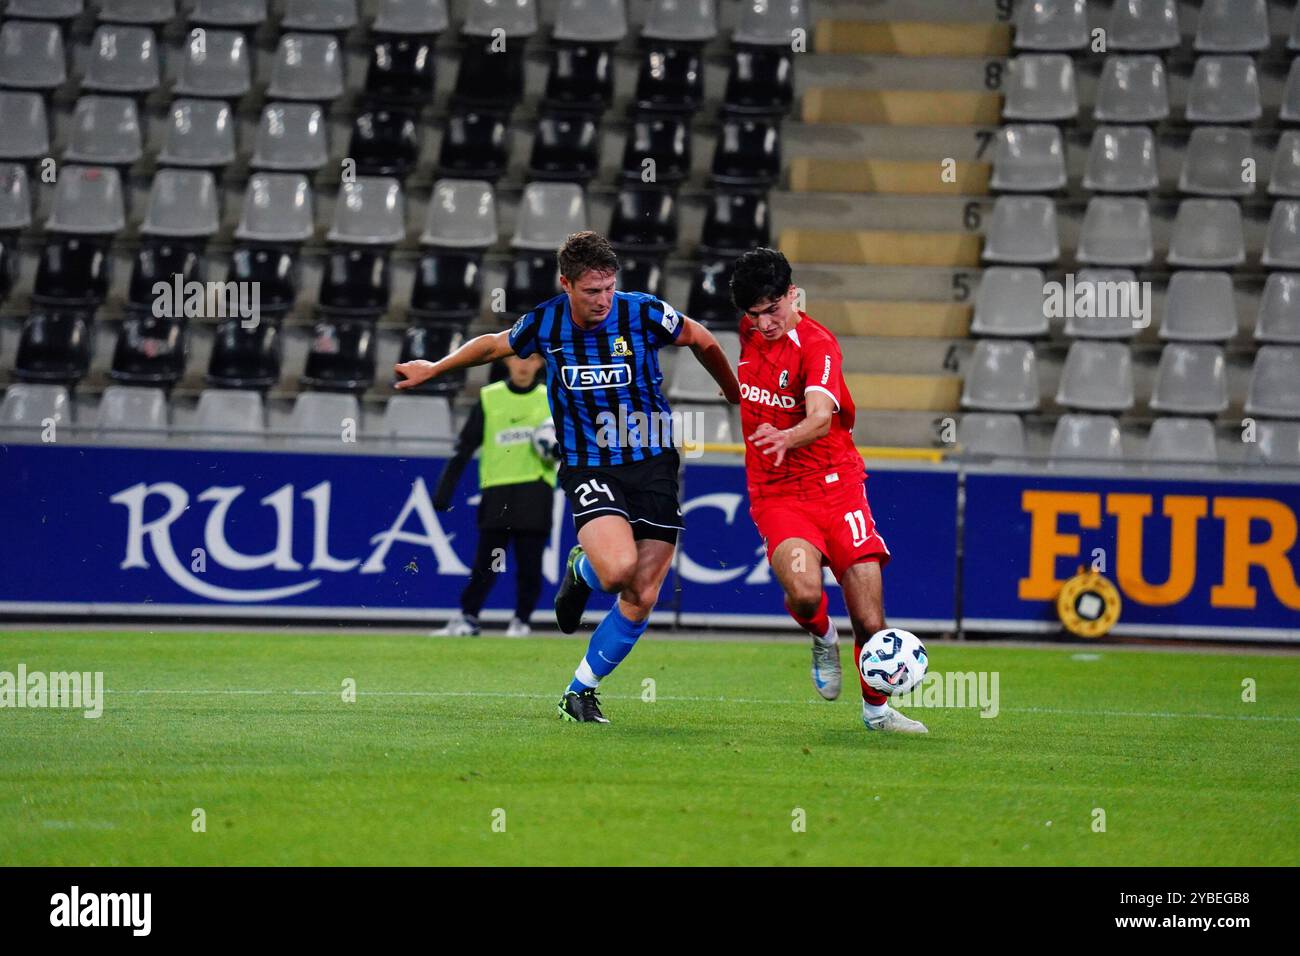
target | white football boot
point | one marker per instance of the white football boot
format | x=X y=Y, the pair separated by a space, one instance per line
x=892 y=721
x=826 y=672
x=458 y=626
x=518 y=628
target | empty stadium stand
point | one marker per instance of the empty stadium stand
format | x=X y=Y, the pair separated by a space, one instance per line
x=396 y=175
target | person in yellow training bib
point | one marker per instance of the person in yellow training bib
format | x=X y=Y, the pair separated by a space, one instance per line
x=516 y=477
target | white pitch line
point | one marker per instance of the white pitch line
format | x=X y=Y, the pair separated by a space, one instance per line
x=694 y=700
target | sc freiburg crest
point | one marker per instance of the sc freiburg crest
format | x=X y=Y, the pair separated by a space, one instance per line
x=785 y=378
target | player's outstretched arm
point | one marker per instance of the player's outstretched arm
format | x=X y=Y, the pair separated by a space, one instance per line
x=477 y=351
x=709 y=353
x=819 y=410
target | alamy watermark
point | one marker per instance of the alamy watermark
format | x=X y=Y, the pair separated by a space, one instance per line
x=70 y=690
x=1098 y=299
x=955 y=689
x=208 y=300
x=637 y=429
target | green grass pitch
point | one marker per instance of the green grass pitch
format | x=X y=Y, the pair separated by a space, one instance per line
x=451 y=740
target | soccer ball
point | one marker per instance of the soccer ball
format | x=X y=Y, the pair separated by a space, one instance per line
x=544 y=442
x=893 y=661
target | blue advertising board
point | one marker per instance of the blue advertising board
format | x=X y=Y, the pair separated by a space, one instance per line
x=97 y=529
x=1190 y=558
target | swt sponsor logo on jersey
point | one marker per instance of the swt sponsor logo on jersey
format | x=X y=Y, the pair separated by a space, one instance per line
x=582 y=377
x=752 y=393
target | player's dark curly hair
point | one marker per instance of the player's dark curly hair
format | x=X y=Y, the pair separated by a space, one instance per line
x=759 y=275
x=583 y=251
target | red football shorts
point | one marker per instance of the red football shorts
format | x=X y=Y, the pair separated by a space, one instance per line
x=836 y=523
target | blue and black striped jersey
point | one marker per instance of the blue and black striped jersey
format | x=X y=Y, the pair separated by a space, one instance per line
x=599 y=379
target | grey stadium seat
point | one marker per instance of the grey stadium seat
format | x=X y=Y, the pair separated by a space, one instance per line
x=1199 y=307
x=1285 y=177
x=88 y=201
x=1282 y=244
x=1289 y=111
x=1232 y=26
x=1122 y=159
x=105 y=132
x=1132 y=89
x=15 y=197
x=223 y=414
x=332 y=15
x=517 y=18
x=1143 y=25
x=1275 y=382
x=1224 y=89
x=548 y=213
x=45 y=9
x=229 y=13
x=308 y=66
x=1009 y=303
x=418 y=17
x=991 y=433
x=1030 y=158
x=1207 y=234
x=691 y=381
x=424 y=418
x=1040 y=87
x=26 y=406
x=369 y=212
x=1087 y=437
x=1276 y=443
x=715 y=423
x=1052 y=26
x=685 y=21
x=1181 y=439
x=199 y=133
x=277 y=208
x=142 y=12
x=1098 y=377
x=592 y=21
x=182 y=205
x=1116 y=231
x=320 y=418
x=220 y=66
x=131 y=412
x=1278 y=319
x=291 y=137
x=122 y=59
x=1214 y=164
x=1191 y=380
x=1110 y=317
x=1022 y=230
x=26 y=126
x=1002 y=377
x=772 y=23
x=32 y=56
x=462 y=215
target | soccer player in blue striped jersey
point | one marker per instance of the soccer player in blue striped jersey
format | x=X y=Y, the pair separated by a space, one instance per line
x=620 y=463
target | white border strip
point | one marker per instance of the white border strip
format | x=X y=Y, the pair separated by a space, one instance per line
x=1169 y=631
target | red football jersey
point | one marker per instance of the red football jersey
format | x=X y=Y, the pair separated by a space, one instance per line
x=774 y=376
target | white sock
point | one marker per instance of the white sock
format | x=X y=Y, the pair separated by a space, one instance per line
x=586 y=676
x=831 y=636
x=875 y=710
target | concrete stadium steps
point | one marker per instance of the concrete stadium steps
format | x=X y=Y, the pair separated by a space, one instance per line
x=854 y=141
x=881 y=247
x=885 y=392
x=897 y=428
x=900 y=107
x=933 y=320
x=912 y=38
x=905 y=176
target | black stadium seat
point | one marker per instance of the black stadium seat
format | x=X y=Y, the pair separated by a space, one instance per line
x=735 y=223
x=342 y=356
x=581 y=77
x=274 y=269
x=761 y=81
x=356 y=283
x=448 y=286
x=533 y=278
x=161 y=261
x=431 y=341
x=645 y=220
x=385 y=143
x=475 y=145
x=401 y=72
x=671 y=79
x=54 y=346
x=244 y=357
x=150 y=351
x=74 y=271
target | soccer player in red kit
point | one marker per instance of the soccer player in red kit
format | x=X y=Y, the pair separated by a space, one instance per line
x=807 y=482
